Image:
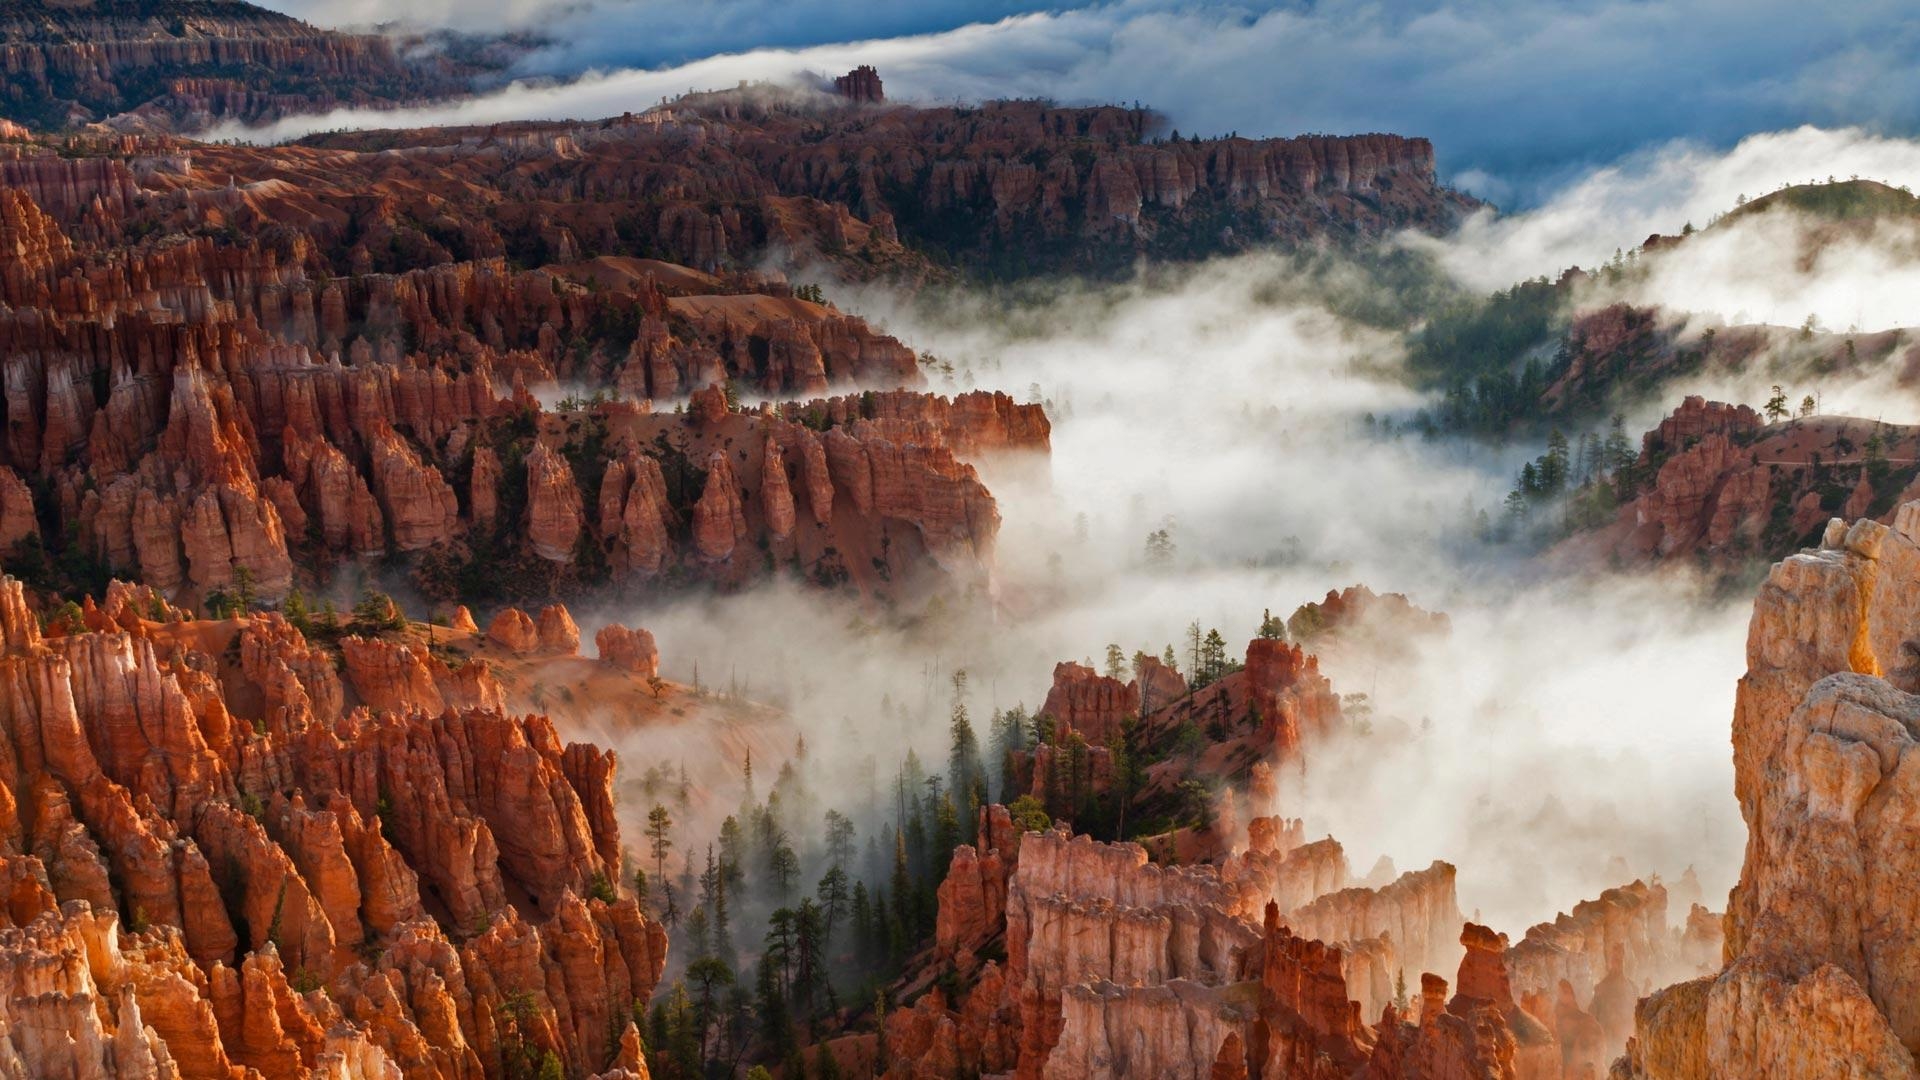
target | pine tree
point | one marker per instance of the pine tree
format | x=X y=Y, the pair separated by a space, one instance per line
x=840 y=843
x=963 y=755
x=1553 y=465
x=833 y=895
x=1213 y=653
x=860 y=919
x=1619 y=451
x=660 y=836
x=783 y=868
x=901 y=884
x=809 y=957
x=1776 y=407
x=733 y=853
x=1009 y=738
x=670 y=913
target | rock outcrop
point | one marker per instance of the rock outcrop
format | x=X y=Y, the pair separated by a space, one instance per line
x=207 y=877
x=628 y=650
x=1720 y=485
x=861 y=84
x=1118 y=967
x=1820 y=955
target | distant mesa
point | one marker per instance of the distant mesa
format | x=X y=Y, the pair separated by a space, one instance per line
x=860 y=84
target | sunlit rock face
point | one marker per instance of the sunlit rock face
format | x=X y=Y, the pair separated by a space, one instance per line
x=256 y=873
x=1821 y=954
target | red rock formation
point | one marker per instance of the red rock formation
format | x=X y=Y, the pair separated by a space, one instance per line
x=369 y=853
x=1358 y=612
x=1820 y=956
x=628 y=650
x=861 y=84
x=514 y=631
x=554 y=516
x=719 y=520
x=420 y=506
x=557 y=631
x=1720 y=485
x=1083 y=700
x=1116 y=965
x=973 y=895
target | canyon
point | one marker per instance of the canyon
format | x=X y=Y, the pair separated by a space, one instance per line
x=369 y=501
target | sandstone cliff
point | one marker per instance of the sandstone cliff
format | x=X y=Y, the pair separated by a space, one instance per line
x=1819 y=957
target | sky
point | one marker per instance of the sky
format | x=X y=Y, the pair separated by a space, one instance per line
x=1521 y=99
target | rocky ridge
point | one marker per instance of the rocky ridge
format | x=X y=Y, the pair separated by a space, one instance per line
x=1717 y=482
x=208 y=417
x=184 y=64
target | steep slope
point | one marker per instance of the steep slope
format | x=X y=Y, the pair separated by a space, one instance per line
x=1821 y=959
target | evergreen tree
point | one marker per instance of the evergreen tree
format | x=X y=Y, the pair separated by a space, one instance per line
x=699 y=933
x=1009 y=738
x=1271 y=629
x=660 y=836
x=840 y=844
x=733 y=853
x=1776 y=407
x=1128 y=776
x=901 y=884
x=710 y=977
x=1213 y=656
x=1554 y=465
x=1618 y=453
x=777 y=947
x=770 y=1005
x=963 y=755
x=809 y=959
x=860 y=919
x=783 y=868
x=834 y=898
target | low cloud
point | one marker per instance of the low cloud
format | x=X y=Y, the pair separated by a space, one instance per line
x=1227 y=401
x=1665 y=189
x=1519 y=98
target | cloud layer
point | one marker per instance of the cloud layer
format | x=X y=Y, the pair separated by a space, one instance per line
x=1518 y=97
x=1544 y=775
